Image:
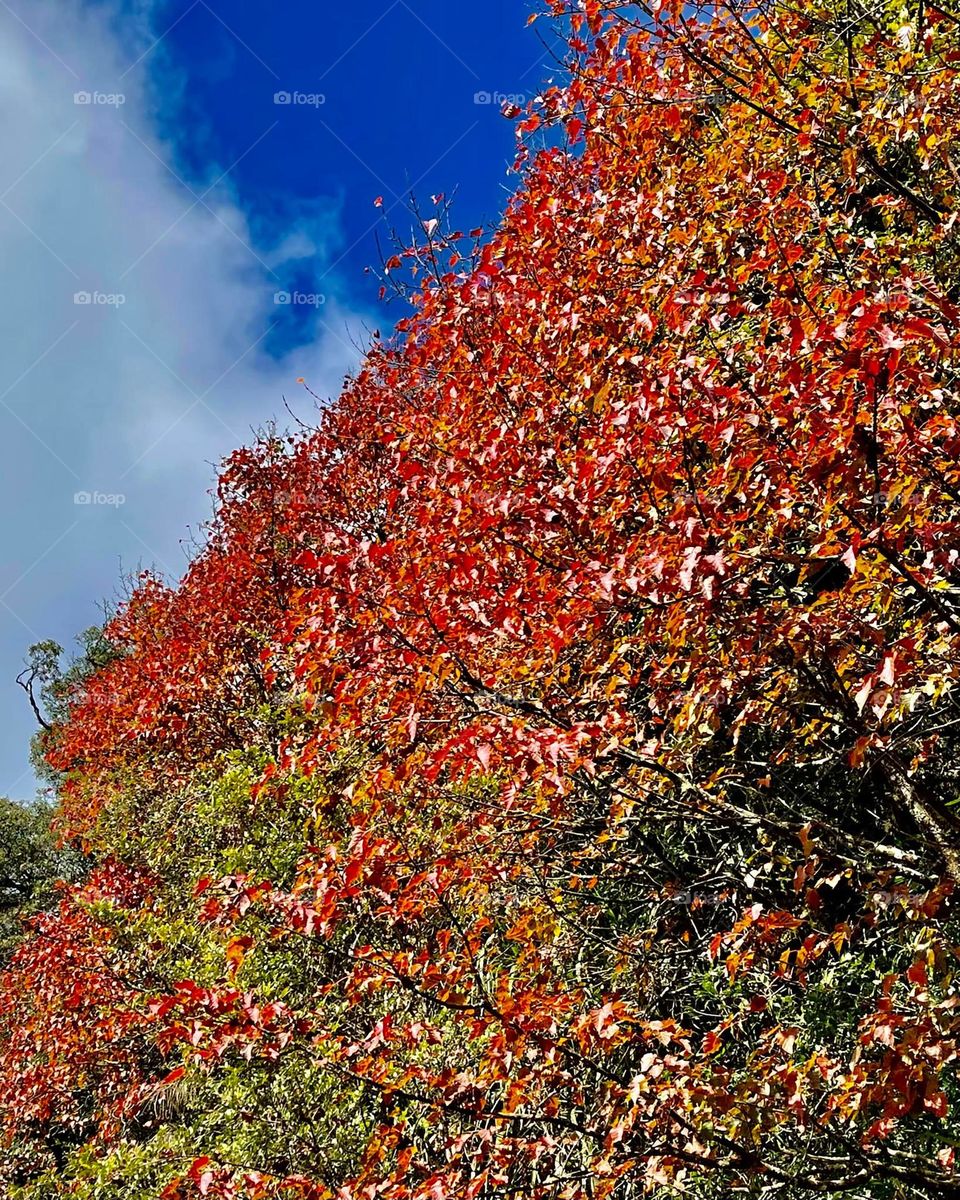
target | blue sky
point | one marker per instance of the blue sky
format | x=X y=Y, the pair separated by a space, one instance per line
x=383 y=100
x=186 y=211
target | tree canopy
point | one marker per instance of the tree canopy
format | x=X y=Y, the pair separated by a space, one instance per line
x=544 y=782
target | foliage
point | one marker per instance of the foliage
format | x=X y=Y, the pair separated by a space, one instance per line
x=544 y=781
x=50 y=688
x=30 y=864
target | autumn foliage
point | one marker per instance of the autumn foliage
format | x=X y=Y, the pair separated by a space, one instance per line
x=544 y=781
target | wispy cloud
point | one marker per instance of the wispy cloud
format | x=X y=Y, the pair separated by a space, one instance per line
x=137 y=319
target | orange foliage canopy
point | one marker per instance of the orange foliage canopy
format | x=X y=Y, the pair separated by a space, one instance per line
x=72 y=1058
x=631 y=563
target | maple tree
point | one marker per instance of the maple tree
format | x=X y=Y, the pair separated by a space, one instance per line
x=544 y=780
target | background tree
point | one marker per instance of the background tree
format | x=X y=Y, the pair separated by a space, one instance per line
x=30 y=865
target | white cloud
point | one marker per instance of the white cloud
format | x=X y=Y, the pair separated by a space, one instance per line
x=137 y=395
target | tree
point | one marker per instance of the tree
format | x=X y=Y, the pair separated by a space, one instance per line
x=592 y=671
x=30 y=864
x=50 y=688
